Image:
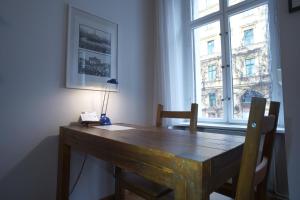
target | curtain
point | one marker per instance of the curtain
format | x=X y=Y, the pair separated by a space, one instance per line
x=170 y=56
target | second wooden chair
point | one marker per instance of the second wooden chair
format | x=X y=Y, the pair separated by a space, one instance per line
x=252 y=181
x=252 y=176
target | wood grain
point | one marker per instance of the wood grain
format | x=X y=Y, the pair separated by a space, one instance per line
x=186 y=161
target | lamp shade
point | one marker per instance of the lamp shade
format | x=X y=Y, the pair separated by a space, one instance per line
x=113 y=81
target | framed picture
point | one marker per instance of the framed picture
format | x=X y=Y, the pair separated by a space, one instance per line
x=91 y=52
x=294 y=5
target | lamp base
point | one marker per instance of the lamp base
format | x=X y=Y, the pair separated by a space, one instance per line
x=104 y=120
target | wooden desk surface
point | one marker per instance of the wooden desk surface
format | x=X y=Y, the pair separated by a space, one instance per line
x=200 y=146
x=193 y=164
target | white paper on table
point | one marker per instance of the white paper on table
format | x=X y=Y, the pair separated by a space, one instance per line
x=114 y=127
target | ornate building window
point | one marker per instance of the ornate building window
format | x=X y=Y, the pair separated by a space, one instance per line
x=248 y=94
x=248 y=37
x=210 y=47
x=212 y=99
x=249 y=65
x=211 y=72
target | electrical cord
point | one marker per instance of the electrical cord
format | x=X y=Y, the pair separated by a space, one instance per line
x=79 y=175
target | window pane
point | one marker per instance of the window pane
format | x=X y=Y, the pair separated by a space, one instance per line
x=249 y=32
x=212 y=99
x=208 y=62
x=211 y=72
x=249 y=65
x=233 y=2
x=248 y=37
x=202 y=8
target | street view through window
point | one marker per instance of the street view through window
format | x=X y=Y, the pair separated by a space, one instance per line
x=231 y=57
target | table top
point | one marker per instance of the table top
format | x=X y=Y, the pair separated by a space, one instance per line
x=197 y=146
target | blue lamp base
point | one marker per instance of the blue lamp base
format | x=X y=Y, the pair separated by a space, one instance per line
x=104 y=120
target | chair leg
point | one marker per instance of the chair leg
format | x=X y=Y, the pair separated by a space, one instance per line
x=119 y=191
x=234 y=185
x=261 y=191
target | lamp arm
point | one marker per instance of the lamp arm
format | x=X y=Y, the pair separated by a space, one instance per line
x=107 y=100
x=104 y=97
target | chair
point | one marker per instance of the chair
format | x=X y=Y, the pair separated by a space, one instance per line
x=139 y=185
x=252 y=180
x=191 y=115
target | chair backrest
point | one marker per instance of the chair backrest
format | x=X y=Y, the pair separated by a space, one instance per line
x=263 y=169
x=191 y=115
x=250 y=173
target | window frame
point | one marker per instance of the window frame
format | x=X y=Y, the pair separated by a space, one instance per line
x=223 y=16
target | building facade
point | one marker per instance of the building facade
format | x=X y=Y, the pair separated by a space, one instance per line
x=248 y=50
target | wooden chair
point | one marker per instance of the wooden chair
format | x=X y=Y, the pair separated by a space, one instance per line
x=191 y=115
x=253 y=177
x=139 y=185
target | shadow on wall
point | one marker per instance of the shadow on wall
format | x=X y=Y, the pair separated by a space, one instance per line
x=35 y=176
x=3 y=22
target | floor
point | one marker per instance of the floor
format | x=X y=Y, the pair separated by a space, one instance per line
x=132 y=196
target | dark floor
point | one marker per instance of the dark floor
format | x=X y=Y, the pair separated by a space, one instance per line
x=132 y=196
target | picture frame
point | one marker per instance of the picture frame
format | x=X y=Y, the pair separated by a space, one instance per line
x=91 y=51
x=294 y=5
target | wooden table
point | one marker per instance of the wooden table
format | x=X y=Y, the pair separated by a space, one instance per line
x=193 y=164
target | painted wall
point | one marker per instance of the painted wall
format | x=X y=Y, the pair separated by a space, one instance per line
x=34 y=101
x=289 y=31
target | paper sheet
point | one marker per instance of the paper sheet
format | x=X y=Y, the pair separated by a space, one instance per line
x=114 y=127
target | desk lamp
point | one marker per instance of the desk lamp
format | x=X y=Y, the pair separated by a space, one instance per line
x=104 y=120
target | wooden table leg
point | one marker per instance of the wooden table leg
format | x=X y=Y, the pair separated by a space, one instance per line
x=188 y=191
x=119 y=191
x=63 y=172
x=180 y=190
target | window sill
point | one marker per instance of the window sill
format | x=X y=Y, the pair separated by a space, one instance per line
x=222 y=127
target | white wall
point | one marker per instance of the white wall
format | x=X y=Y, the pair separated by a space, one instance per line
x=289 y=31
x=34 y=101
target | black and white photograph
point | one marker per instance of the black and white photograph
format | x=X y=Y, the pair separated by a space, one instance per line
x=93 y=64
x=92 y=51
x=294 y=5
x=94 y=40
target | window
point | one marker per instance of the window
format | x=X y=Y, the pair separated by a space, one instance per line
x=246 y=102
x=248 y=37
x=211 y=72
x=225 y=36
x=204 y=7
x=248 y=94
x=210 y=47
x=202 y=62
x=249 y=65
x=233 y=2
x=212 y=99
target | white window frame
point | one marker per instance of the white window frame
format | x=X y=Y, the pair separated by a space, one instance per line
x=223 y=16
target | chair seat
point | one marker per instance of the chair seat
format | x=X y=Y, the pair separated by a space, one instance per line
x=142 y=186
